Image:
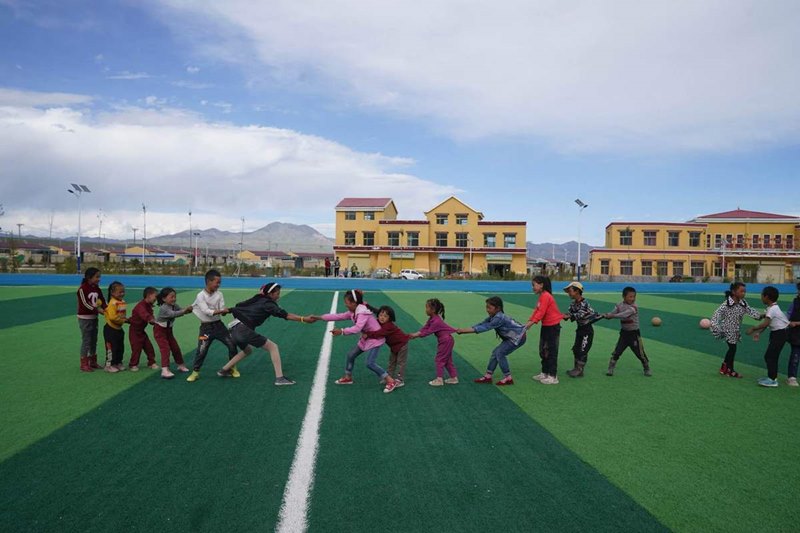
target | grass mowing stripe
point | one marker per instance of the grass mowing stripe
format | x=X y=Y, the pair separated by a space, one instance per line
x=13 y=293
x=292 y=517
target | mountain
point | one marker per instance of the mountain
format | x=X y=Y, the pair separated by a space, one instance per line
x=274 y=236
x=548 y=251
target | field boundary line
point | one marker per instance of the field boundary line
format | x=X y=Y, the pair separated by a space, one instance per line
x=293 y=516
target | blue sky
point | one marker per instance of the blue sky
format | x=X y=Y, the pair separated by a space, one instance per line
x=274 y=111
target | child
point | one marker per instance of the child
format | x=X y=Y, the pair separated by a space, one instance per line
x=363 y=321
x=396 y=339
x=778 y=324
x=208 y=306
x=250 y=314
x=168 y=311
x=141 y=316
x=629 y=334
x=548 y=314
x=444 y=337
x=794 y=339
x=726 y=323
x=90 y=304
x=512 y=335
x=581 y=312
x=113 y=334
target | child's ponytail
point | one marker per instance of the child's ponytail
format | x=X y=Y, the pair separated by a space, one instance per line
x=437 y=306
x=166 y=291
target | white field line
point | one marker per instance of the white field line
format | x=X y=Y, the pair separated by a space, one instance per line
x=293 y=517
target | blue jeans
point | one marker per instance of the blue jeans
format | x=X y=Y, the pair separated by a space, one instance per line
x=372 y=356
x=501 y=353
x=794 y=360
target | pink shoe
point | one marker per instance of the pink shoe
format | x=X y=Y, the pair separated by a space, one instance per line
x=183 y=368
x=166 y=374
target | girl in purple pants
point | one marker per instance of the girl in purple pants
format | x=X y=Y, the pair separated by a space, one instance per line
x=444 y=336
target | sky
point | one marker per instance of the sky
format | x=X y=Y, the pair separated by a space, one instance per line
x=275 y=111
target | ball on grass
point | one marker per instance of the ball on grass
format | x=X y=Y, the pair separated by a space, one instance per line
x=705 y=323
x=655 y=321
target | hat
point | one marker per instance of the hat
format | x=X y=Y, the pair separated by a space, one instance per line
x=575 y=285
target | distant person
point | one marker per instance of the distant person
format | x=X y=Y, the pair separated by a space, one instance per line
x=445 y=343
x=336 y=266
x=629 y=335
x=582 y=313
x=113 y=334
x=778 y=325
x=794 y=339
x=90 y=304
x=548 y=314
x=327 y=266
x=141 y=317
x=726 y=323
x=354 y=271
x=168 y=311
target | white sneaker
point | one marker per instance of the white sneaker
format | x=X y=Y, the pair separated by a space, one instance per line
x=792 y=382
x=451 y=381
x=133 y=368
x=549 y=380
x=539 y=377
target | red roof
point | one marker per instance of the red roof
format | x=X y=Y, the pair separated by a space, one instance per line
x=364 y=202
x=742 y=213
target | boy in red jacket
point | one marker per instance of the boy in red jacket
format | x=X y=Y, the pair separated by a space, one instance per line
x=396 y=339
x=90 y=304
x=141 y=316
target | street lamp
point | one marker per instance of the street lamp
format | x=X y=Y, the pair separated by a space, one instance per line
x=469 y=238
x=144 y=233
x=196 y=244
x=77 y=191
x=581 y=207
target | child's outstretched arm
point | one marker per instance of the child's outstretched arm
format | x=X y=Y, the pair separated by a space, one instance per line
x=755 y=331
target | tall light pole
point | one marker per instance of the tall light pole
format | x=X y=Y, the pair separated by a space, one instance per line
x=100 y=228
x=144 y=232
x=134 y=235
x=190 y=239
x=19 y=230
x=77 y=191
x=241 y=249
x=196 y=241
x=581 y=207
x=469 y=238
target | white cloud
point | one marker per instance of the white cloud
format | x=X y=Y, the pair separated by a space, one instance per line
x=589 y=76
x=15 y=97
x=192 y=84
x=125 y=75
x=192 y=70
x=176 y=161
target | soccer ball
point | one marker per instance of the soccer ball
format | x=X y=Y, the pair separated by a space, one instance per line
x=705 y=323
x=655 y=321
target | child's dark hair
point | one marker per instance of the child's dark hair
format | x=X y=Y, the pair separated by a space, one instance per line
x=437 y=306
x=355 y=295
x=148 y=291
x=495 y=301
x=270 y=287
x=114 y=285
x=627 y=290
x=798 y=286
x=211 y=274
x=384 y=309
x=90 y=273
x=163 y=293
x=544 y=280
x=772 y=293
x=735 y=285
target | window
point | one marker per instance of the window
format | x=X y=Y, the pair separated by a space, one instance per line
x=393 y=238
x=626 y=268
x=349 y=215
x=674 y=238
x=647 y=268
x=441 y=239
x=740 y=241
x=412 y=238
x=349 y=238
x=790 y=242
x=698 y=269
x=728 y=240
x=462 y=240
x=625 y=237
x=604 y=267
x=662 y=268
x=756 y=241
x=708 y=241
x=694 y=239
x=767 y=241
x=369 y=238
x=489 y=240
x=677 y=268
x=778 y=241
x=441 y=220
x=650 y=238
x=509 y=240
x=461 y=220
x=369 y=215
x=717 y=241
x=718 y=270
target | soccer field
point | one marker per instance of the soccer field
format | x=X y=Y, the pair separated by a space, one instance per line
x=684 y=450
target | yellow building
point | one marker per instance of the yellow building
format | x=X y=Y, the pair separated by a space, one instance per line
x=744 y=245
x=452 y=238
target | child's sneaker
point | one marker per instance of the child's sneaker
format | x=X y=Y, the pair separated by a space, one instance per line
x=194 y=376
x=235 y=372
x=612 y=364
x=539 y=377
x=767 y=382
x=451 y=381
x=792 y=382
x=483 y=379
x=153 y=366
x=648 y=372
x=731 y=373
x=223 y=373
x=111 y=369
x=508 y=380
x=345 y=380
x=133 y=368
x=550 y=380
x=120 y=367
x=183 y=368
x=438 y=382
x=399 y=383
x=390 y=387
x=166 y=374
x=723 y=370
x=283 y=380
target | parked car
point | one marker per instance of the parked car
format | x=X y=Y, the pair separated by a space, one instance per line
x=408 y=273
x=677 y=278
x=382 y=273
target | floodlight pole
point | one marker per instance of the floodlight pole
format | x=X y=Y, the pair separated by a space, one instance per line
x=144 y=233
x=77 y=191
x=581 y=207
